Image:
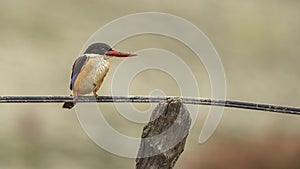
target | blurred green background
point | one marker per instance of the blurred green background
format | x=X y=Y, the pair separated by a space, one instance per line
x=258 y=42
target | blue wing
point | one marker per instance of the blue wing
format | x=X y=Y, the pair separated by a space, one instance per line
x=77 y=66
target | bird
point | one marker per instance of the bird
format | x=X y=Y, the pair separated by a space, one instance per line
x=90 y=69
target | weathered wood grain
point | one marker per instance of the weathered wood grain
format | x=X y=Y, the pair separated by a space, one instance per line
x=164 y=137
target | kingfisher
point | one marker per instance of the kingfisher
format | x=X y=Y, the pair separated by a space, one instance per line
x=90 y=69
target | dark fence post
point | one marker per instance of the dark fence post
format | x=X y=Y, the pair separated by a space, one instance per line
x=170 y=122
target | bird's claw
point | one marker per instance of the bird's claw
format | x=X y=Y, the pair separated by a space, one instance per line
x=95 y=94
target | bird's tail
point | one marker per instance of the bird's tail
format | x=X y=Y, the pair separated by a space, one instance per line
x=69 y=105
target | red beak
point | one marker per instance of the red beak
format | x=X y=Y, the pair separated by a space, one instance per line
x=117 y=53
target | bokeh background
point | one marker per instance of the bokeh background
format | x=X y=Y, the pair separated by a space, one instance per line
x=258 y=42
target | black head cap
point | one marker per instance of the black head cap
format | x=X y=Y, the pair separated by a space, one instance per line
x=98 y=48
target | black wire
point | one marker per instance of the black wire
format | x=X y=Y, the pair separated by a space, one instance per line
x=152 y=99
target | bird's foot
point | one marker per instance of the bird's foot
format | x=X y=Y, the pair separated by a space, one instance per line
x=76 y=95
x=95 y=93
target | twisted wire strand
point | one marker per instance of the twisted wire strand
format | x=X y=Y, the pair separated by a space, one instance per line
x=152 y=99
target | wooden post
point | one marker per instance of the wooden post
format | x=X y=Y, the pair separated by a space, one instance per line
x=163 y=138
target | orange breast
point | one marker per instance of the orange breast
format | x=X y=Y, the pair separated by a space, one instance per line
x=91 y=76
x=100 y=75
